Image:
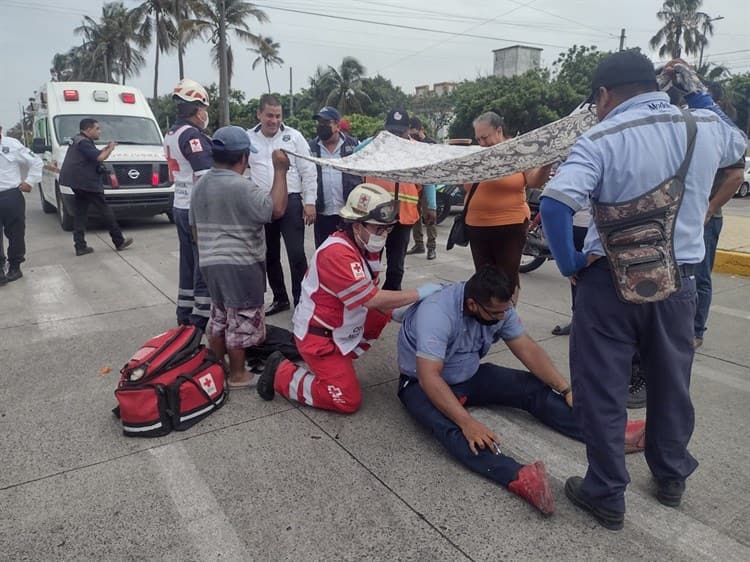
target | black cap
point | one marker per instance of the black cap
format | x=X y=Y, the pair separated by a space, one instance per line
x=397 y=121
x=624 y=67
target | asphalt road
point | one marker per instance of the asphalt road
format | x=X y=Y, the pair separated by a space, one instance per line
x=274 y=481
x=738 y=207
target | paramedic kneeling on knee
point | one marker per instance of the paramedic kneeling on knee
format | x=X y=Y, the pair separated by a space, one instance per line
x=341 y=310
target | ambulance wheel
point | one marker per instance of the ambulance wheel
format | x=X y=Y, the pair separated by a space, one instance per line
x=48 y=208
x=66 y=219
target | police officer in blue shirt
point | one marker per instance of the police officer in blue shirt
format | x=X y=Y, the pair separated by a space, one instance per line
x=441 y=343
x=641 y=141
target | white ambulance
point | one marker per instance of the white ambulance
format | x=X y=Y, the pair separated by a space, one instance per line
x=137 y=183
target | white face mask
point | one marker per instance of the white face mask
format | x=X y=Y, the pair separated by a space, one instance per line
x=375 y=242
x=206 y=121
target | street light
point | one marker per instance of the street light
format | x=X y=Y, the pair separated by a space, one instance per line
x=703 y=42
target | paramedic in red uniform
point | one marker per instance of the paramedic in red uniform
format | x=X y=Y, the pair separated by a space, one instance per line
x=341 y=311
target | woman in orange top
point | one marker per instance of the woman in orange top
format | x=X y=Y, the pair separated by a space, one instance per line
x=498 y=216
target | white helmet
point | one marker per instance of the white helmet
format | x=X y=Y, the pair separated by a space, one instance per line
x=370 y=203
x=190 y=91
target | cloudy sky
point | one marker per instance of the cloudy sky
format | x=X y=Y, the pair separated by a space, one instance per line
x=426 y=41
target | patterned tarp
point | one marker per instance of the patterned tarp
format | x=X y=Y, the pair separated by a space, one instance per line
x=393 y=158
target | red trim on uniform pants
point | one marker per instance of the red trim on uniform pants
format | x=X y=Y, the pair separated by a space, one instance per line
x=331 y=383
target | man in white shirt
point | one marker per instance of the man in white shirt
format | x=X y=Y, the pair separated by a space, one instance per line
x=302 y=185
x=14 y=158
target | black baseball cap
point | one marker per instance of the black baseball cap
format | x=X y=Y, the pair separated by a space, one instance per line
x=624 y=67
x=397 y=121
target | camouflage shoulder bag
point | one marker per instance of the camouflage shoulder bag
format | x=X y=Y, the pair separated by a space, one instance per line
x=638 y=235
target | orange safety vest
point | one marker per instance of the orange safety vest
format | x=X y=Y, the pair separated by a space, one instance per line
x=408 y=198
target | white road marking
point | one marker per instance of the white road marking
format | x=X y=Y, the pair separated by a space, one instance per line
x=211 y=531
x=671 y=527
x=745 y=315
x=743 y=385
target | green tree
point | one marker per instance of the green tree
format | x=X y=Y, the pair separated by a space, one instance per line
x=113 y=42
x=158 y=20
x=525 y=101
x=383 y=96
x=684 y=26
x=738 y=93
x=364 y=126
x=268 y=53
x=345 y=84
x=236 y=14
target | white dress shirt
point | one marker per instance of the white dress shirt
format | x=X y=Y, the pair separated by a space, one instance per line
x=13 y=157
x=302 y=176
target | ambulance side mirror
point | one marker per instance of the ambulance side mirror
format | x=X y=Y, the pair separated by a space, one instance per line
x=38 y=146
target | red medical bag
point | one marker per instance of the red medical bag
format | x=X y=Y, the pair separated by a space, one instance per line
x=172 y=382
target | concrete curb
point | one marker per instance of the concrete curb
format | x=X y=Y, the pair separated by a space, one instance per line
x=735 y=263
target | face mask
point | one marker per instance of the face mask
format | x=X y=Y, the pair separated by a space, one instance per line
x=374 y=244
x=205 y=121
x=485 y=322
x=325 y=132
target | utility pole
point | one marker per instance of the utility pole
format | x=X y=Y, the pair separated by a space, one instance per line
x=706 y=23
x=223 y=70
x=622 y=39
x=23 y=125
x=291 y=95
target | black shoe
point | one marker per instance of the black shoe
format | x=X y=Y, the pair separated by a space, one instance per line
x=561 y=330
x=85 y=250
x=275 y=307
x=670 y=492
x=431 y=254
x=415 y=249
x=14 y=272
x=612 y=520
x=3 y=278
x=637 y=389
x=124 y=244
x=267 y=378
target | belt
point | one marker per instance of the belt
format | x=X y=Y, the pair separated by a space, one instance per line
x=686 y=269
x=319 y=331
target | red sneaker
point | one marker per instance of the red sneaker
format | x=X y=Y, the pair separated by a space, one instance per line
x=532 y=486
x=635 y=436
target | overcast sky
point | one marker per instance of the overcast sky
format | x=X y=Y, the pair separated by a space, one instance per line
x=32 y=31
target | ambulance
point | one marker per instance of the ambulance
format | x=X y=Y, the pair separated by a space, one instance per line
x=136 y=182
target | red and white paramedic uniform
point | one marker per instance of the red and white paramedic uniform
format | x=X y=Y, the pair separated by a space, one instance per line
x=332 y=327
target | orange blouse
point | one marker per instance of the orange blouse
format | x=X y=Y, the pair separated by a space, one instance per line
x=498 y=202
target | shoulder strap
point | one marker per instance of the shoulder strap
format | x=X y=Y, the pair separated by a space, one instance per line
x=692 y=131
x=471 y=194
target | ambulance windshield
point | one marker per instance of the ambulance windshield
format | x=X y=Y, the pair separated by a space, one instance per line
x=123 y=129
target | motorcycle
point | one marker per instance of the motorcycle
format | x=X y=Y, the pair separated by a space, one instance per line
x=535 y=251
x=447 y=196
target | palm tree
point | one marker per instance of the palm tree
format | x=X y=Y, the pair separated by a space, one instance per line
x=158 y=17
x=207 y=21
x=345 y=85
x=268 y=53
x=683 y=24
x=184 y=12
x=113 y=41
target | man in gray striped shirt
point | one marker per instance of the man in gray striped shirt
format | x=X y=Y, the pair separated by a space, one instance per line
x=228 y=214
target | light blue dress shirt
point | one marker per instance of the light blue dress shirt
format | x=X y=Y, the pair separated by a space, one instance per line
x=638 y=145
x=437 y=328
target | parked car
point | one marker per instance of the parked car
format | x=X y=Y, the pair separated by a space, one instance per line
x=744 y=187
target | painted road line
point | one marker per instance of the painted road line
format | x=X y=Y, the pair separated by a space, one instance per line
x=211 y=532
x=672 y=528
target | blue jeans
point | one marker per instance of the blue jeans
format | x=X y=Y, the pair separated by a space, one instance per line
x=491 y=385
x=703 y=274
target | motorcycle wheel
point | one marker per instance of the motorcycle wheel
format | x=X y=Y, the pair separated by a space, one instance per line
x=443 y=207
x=530 y=263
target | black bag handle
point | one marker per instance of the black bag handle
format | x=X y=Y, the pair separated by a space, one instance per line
x=692 y=132
x=471 y=194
